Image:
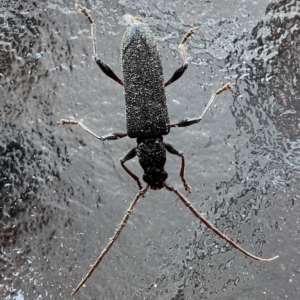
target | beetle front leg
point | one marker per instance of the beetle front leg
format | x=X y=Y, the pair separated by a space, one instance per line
x=171 y=149
x=179 y=72
x=105 y=68
x=191 y=121
x=110 y=136
x=129 y=155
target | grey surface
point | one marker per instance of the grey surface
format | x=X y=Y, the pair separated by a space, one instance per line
x=63 y=193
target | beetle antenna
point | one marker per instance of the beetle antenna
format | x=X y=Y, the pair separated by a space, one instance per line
x=212 y=227
x=129 y=211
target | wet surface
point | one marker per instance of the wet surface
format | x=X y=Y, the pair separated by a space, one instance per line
x=63 y=193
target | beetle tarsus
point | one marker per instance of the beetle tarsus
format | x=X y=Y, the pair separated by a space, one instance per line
x=179 y=72
x=105 y=68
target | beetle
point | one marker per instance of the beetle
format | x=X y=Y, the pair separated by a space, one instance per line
x=147 y=118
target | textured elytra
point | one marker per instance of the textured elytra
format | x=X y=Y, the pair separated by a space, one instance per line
x=145 y=98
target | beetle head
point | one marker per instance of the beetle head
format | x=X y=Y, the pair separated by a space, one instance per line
x=152 y=157
x=155 y=178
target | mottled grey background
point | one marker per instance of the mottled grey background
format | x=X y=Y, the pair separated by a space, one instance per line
x=62 y=192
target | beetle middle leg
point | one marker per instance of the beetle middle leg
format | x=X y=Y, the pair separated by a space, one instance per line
x=191 y=121
x=179 y=72
x=110 y=136
x=105 y=68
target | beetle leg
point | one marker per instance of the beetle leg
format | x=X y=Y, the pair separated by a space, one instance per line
x=171 y=149
x=129 y=155
x=191 y=121
x=181 y=46
x=179 y=72
x=105 y=68
x=110 y=136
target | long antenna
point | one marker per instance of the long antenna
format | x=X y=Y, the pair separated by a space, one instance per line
x=113 y=238
x=212 y=227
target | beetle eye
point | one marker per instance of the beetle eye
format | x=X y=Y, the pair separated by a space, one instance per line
x=164 y=175
x=146 y=178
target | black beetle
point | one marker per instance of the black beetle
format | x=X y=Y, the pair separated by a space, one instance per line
x=147 y=117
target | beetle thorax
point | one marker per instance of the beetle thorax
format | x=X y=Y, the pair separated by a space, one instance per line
x=152 y=157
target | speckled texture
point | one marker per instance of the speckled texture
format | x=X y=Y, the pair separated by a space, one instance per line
x=152 y=158
x=146 y=108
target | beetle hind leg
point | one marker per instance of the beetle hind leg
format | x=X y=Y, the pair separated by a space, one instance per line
x=105 y=68
x=179 y=72
x=181 y=46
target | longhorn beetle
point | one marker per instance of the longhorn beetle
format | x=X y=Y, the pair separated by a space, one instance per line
x=147 y=118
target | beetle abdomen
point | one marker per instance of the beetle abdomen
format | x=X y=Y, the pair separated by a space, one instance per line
x=145 y=98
